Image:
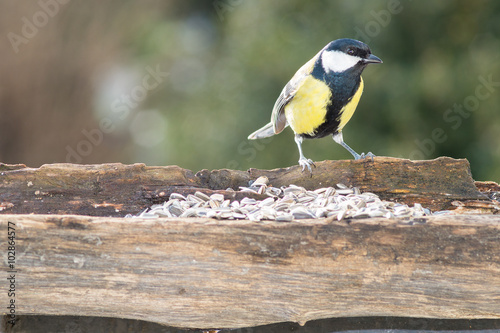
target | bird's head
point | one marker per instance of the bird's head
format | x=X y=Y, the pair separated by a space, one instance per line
x=343 y=54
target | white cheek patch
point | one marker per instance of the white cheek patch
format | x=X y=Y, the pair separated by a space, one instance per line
x=336 y=61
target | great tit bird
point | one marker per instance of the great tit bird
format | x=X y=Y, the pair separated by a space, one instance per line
x=322 y=96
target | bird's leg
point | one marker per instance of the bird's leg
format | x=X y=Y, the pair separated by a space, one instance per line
x=337 y=137
x=303 y=161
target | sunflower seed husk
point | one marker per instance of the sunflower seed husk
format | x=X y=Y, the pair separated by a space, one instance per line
x=292 y=189
x=254 y=217
x=266 y=202
x=248 y=201
x=284 y=218
x=345 y=191
x=273 y=191
x=239 y=216
x=226 y=215
x=361 y=214
x=305 y=199
x=321 y=190
x=162 y=213
x=189 y=213
x=301 y=213
x=376 y=213
x=175 y=210
x=286 y=204
x=262 y=180
x=282 y=206
x=211 y=214
x=248 y=189
x=329 y=192
x=217 y=197
x=177 y=196
x=194 y=198
x=202 y=196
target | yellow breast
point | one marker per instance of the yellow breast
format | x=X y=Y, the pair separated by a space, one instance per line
x=307 y=110
x=348 y=110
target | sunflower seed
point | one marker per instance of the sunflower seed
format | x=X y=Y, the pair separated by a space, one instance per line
x=248 y=201
x=273 y=191
x=321 y=190
x=194 y=198
x=292 y=189
x=202 y=196
x=201 y=212
x=301 y=213
x=284 y=218
x=262 y=180
x=281 y=206
x=285 y=204
x=162 y=213
x=226 y=215
x=345 y=191
x=361 y=214
x=321 y=212
x=297 y=206
x=217 y=197
x=360 y=203
x=443 y=212
x=254 y=217
x=305 y=199
x=175 y=210
x=248 y=189
x=329 y=192
x=262 y=189
x=266 y=202
x=239 y=216
x=241 y=211
x=189 y=213
x=376 y=213
x=287 y=199
x=177 y=196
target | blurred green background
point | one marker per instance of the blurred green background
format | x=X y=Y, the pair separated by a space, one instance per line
x=185 y=82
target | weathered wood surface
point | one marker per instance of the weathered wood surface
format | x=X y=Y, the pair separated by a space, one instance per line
x=117 y=189
x=203 y=273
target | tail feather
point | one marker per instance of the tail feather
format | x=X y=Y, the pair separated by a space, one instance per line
x=262 y=133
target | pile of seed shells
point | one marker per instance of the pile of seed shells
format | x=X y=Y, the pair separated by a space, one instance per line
x=284 y=205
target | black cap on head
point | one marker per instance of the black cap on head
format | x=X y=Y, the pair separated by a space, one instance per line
x=354 y=48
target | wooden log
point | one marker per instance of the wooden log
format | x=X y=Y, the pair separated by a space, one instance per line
x=202 y=273
x=117 y=189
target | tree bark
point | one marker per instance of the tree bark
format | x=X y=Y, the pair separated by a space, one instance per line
x=117 y=189
x=202 y=273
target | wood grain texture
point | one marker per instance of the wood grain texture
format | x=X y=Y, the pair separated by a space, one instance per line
x=202 y=273
x=117 y=189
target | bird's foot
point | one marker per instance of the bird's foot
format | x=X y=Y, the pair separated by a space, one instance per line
x=363 y=156
x=305 y=162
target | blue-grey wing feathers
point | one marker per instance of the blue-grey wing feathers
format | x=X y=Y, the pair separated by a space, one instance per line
x=278 y=118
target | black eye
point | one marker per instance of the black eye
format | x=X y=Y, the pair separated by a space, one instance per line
x=350 y=51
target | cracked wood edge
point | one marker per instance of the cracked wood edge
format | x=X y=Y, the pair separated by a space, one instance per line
x=116 y=189
x=199 y=273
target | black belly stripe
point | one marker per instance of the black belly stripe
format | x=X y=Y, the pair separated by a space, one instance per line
x=341 y=96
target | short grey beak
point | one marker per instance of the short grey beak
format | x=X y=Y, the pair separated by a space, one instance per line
x=372 y=59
